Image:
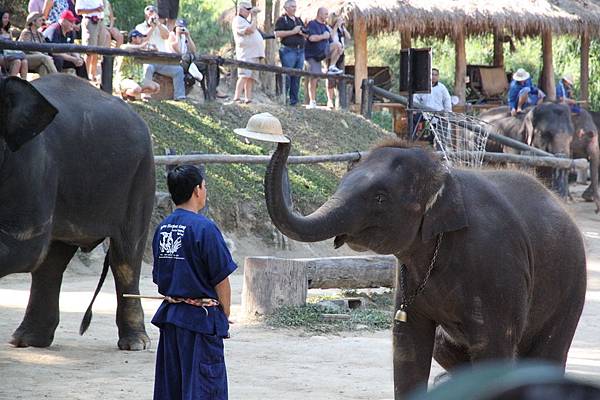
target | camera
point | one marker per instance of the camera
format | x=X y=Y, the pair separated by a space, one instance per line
x=153 y=19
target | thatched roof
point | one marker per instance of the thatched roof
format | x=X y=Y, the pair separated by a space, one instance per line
x=444 y=17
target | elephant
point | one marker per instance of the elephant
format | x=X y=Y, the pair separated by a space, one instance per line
x=76 y=166
x=552 y=128
x=500 y=265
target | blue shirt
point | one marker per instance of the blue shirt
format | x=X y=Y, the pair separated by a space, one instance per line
x=190 y=259
x=316 y=50
x=514 y=90
x=562 y=92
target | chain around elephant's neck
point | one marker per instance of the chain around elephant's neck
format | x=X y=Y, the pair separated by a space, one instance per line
x=407 y=301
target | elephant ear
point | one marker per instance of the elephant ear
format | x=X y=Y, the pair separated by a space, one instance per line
x=24 y=112
x=447 y=214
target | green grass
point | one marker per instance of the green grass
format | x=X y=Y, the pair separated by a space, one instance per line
x=235 y=191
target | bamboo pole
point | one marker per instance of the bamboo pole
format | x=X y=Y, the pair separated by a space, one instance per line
x=584 y=81
x=461 y=66
x=360 y=56
x=547 y=81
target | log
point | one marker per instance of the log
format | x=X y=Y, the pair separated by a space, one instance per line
x=361 y=55
x=498 y=48
x=584 y=82
x=350 y=272
x=166 y=87
x=270 y=283
x=461 y=66
x=547 y=78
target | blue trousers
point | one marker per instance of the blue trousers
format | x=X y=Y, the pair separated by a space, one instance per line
x=175 y=72
x=292 y=58
x=189 y=366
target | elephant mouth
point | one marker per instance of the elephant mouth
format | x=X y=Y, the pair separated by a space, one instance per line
x=339 y=241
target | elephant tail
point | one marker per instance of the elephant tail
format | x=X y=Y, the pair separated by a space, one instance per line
x=87 y=318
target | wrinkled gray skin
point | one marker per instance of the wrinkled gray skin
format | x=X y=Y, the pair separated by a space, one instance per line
x=76 y=166
x=510 y=278
x=506 y=125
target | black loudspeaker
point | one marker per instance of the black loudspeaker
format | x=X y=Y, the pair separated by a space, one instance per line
x=415 y=70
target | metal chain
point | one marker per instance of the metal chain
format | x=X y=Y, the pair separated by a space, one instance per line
x=407 y=302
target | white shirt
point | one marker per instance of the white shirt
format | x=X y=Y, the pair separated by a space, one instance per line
x=89 y=5
x=155 y=38
x=438 y=99
x=247 y=46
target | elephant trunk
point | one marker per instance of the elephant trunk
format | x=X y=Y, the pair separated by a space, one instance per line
x=594 y=152
x=324 y=223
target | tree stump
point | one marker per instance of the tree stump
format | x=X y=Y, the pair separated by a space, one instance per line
x=270 y=283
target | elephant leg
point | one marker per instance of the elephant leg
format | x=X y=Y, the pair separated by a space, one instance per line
x=126 y=266
x=42 y=314
x=413 y=348
x=448 y=353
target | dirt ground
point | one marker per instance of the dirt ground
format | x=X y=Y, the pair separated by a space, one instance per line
x=263 y=363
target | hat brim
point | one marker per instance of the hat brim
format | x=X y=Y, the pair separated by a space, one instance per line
x=521 y=78
x=262 y=136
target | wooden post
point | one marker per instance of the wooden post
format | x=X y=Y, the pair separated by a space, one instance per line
x=498 y=48
x=405 y=39
x=461 y=66
x=106 y=83
x=360 y=56
x=213 y=70
x=342 y=94
x=267 y=79
x=270 y=283
x=366 y=103
x=584 y=81
x=547 y=78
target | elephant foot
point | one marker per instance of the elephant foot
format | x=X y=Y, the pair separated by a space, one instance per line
x=134 y=342
x=587 y=196
x=26 y=338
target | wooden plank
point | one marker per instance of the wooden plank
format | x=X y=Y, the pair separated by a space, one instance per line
x=361 y=56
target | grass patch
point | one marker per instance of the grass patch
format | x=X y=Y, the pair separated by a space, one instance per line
x=378 y=314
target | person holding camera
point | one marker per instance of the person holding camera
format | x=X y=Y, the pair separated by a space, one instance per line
x=338 y=37
x=320 y=47
x=249 y=47
x=92 y=31
x=292 y=33
x=157 y=36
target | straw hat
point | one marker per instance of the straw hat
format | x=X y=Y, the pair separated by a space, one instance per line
x=265 y=127
x=568 y=78
x=32 y=17
x=521 y=75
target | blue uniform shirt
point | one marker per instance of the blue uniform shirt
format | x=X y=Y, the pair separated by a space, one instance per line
x=562 y=91
x=316 y=50
x=517 y=90
x=190 y=259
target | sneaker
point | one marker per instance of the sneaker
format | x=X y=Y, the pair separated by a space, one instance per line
x=334 y=70
x=312 y=105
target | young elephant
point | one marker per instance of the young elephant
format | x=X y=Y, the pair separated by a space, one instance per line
x=502 y=263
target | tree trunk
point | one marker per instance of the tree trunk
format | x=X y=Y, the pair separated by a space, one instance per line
x=460 y=67
x=270 y=283
x=498 y=48
x=350 y=272
x=584 y=82
x=547 y=79
x=360 y=56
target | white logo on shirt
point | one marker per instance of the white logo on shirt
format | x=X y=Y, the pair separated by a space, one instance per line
x=169 y=246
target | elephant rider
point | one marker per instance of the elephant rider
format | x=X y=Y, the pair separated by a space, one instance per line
x=191 y=268
x=523 y=93
x=564 y=93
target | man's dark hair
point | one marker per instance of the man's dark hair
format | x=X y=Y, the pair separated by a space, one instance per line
x=436 y=70
x=182 y=181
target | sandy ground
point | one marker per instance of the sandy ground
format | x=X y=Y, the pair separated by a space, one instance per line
x=263 y=363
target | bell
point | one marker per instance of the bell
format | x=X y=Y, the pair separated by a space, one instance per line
x=400 y=316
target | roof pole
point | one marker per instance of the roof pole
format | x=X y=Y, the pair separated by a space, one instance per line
x=498 y=48
x=584 y=80
x=547 y=78
x=406 y=39
x=360 y=55
x=460 y=65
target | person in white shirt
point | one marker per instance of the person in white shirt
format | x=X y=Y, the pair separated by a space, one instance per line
x=249 y=46
x=439 y=98
x=157 y=36
x=91 y=30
